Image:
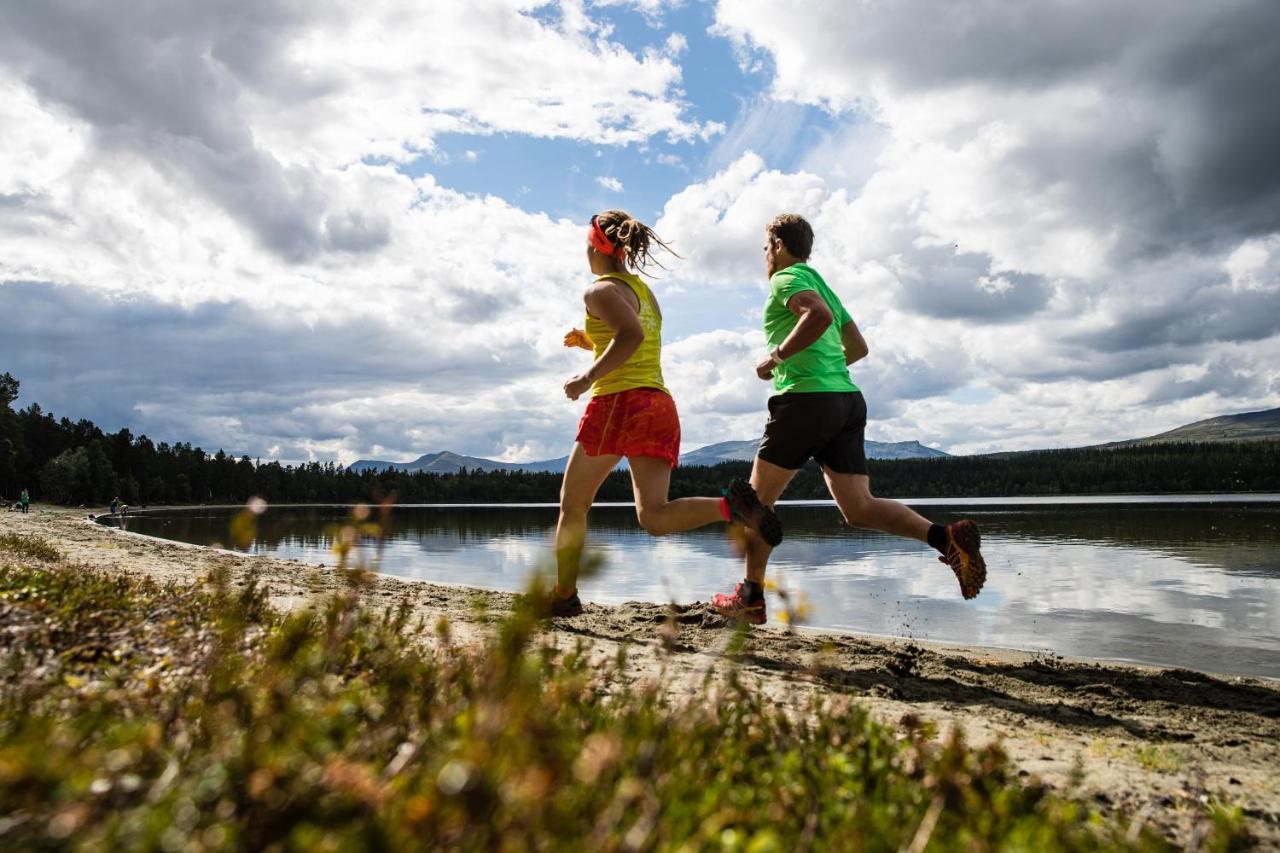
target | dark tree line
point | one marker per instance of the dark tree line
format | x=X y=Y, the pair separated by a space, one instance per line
x=68 y=462
x=1146 y=469
x=1150 y=469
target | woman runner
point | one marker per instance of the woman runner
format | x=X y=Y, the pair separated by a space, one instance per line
x=631 y=412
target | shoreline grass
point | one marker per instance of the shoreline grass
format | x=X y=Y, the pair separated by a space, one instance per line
x=141 y=716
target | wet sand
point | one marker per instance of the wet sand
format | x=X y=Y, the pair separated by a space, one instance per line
x=1157 y=745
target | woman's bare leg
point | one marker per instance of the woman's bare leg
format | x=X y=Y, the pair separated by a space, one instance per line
x=583 y=476
x=651 y=481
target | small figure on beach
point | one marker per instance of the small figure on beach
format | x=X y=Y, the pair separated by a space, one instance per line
x=631 y=413
x=114 y=507
x=24 y=500
x=818 y=412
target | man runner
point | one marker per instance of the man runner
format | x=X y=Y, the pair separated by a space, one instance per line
x=817 y=412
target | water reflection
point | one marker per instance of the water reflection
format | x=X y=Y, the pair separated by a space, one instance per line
x=1193 y=585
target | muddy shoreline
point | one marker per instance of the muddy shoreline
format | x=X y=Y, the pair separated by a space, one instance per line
x=1160 y=746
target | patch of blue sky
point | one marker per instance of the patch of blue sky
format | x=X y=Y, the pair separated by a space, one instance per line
x=711 y=79
x=573 y=179
x=691 y=311
x=718 y=89
x=780 y=132
x=563 y=178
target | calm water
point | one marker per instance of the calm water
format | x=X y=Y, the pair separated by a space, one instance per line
x=1192 y=582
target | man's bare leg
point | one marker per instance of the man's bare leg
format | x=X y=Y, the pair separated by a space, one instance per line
x=747 y=601
x=769 y=481
x=852 y=493
x=959 y=543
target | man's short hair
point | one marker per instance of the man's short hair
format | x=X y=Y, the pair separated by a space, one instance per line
x=795 y=233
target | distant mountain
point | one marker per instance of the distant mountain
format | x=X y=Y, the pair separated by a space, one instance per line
x=555 y=465
x=745 y=451
x=902 y=450
x=1249 y=426
x=447 y=462
x=725 y=451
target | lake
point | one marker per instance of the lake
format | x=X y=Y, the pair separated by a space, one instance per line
x=1187 y=581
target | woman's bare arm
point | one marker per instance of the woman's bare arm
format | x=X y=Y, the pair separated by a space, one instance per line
x=609 y=306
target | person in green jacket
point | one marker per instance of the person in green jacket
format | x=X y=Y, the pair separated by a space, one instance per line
x=24 y=500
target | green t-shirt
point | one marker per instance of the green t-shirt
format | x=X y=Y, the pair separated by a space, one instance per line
x=820 y=367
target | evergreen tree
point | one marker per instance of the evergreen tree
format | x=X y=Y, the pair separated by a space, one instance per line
x=12 y=448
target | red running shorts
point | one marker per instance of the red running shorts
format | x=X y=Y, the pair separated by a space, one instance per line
x=636 y=422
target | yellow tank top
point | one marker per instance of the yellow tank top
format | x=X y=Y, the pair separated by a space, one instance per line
x=644 y=368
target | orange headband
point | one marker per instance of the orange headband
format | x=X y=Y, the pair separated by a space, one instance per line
x=601 y=243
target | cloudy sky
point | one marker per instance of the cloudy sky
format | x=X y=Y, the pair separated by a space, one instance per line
x=332 y=230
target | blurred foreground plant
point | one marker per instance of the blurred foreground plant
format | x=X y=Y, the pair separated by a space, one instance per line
x=146 y=717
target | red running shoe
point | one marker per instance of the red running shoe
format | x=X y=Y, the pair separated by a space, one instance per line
x=964 y=556
x=735 y=607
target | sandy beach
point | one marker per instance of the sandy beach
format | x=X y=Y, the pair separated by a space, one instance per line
x=1158 y=745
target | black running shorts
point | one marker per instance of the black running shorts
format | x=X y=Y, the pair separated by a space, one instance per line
x=823 y=425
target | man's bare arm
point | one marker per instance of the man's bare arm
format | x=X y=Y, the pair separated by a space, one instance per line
x=815 y=317
x=855 y=346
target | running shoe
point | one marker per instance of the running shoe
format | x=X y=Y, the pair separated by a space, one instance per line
x=745 y=506
x=571 y=606
x=736 y=607
x=964 y=556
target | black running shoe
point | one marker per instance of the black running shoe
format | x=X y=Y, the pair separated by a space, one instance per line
x=571 y=606
x=745 y=506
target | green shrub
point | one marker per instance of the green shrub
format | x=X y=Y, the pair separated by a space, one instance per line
x=30 y=547
x=201 y=718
